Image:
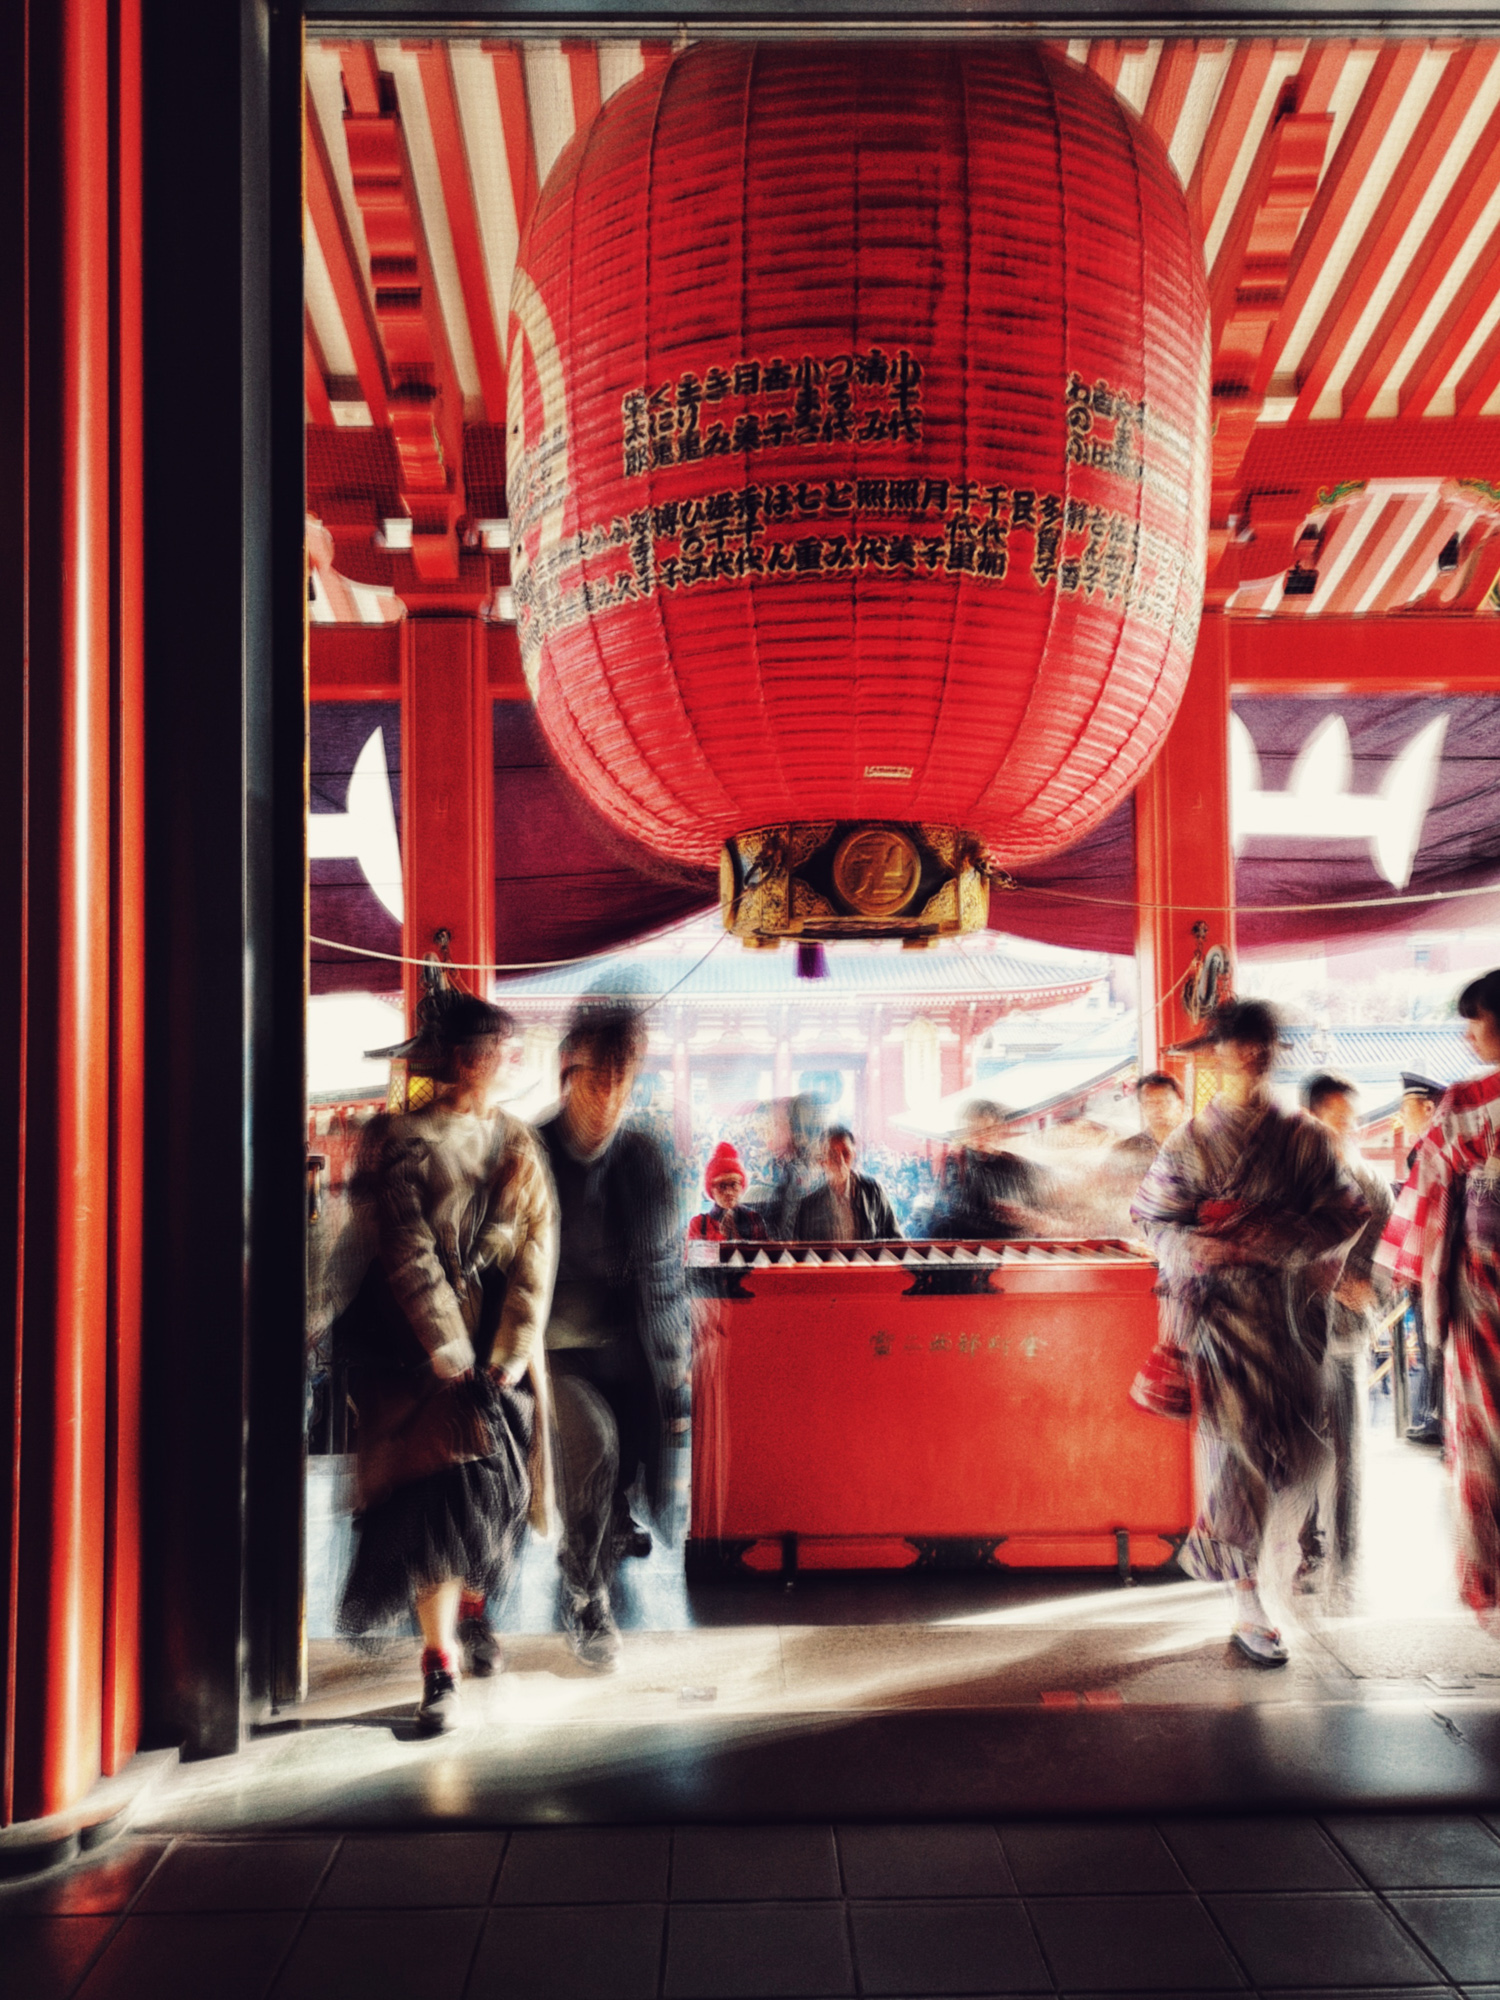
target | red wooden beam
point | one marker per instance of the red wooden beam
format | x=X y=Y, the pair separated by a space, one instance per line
x=343 y=269
x=361 y=74
x=447 y=782
x=1455 y=330
x=1298 y=458
x=363 y=663
x=1106 y=59
x=1400 y=654
x=1184 y=861
x=1250 y=273
x=354 y=663
x=1482 y=379
x=426 y=401
x=655 y=56
x=314 y=375
x=1421 y=558
x=1423 y=154
x=1467 y=198
x=434 y=63
x=1240 y=93
x=1320 y=74
x=1170 y=86
x=515 y=122
x=583 y=75
x=1389 y=79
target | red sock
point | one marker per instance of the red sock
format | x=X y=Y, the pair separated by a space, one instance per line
x=472 y=1604
x=436 y=1661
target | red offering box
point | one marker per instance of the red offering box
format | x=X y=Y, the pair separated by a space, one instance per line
x=869 y=1405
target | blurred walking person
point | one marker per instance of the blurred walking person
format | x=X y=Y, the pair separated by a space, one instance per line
x=793 y=1125
x=1420 y=1097
x=989 y=1192
x=1250 y=1212
x=1331 y=1529
x=1445 y=1237
x=619 y=1337
x=447 y=1374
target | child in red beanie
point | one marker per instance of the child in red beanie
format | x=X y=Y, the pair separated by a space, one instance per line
x=726 y=1221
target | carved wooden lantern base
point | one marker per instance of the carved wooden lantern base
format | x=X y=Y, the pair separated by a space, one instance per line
x=853 y=879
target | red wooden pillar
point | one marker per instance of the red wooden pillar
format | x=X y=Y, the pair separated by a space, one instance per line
x=122 y=1602
x=1184 y=863
x=58 y=1367
x=447 y=794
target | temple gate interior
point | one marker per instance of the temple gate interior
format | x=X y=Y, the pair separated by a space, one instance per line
x=295 y=731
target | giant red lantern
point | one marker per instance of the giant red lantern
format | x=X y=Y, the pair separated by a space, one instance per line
x=858 y=454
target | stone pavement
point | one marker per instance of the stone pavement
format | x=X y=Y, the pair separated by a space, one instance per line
x=1346 y=1904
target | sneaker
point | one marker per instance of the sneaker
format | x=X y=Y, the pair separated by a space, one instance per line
x=631 y=1539
x=591 y=1631
x=437 y=1711
x=481 y=1647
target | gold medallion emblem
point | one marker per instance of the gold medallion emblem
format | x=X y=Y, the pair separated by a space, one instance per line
x=876 y=870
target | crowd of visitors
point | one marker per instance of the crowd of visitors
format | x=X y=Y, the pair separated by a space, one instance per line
x=517 y=1338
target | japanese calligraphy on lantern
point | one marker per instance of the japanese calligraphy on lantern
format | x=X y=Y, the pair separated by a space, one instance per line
x=862 y=398
x=943 y=526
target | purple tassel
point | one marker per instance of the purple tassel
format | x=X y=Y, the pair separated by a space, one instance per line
x=812 y=961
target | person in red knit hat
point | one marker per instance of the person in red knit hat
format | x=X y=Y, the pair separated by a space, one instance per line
x=727 y=1221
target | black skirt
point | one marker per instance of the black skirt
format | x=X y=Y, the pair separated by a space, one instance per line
x=466 y=1523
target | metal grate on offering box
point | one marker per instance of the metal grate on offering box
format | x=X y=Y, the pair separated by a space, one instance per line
x=919 y=1256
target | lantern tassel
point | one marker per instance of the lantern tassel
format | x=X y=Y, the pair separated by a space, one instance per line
x=812 y=961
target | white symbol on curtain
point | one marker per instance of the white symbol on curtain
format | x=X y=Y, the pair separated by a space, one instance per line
x=1318 y=804
x=366 y=830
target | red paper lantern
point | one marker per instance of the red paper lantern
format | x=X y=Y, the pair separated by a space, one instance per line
x=858 y=458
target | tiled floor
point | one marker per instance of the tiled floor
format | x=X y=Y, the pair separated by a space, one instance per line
x=1352 y=1905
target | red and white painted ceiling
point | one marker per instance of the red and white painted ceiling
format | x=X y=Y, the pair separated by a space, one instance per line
x=1348 y=193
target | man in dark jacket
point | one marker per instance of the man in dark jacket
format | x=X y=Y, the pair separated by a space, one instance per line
x=619 y=1337
x=1331 y=1529
x=848 y=1207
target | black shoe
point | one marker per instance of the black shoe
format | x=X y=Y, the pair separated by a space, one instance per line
x=591 y=1630
x=631 y=1539
x=481 y=1647
x=1424 y=1434
x=437 y=1711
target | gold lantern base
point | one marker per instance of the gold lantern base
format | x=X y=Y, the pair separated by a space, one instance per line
x=853 y=879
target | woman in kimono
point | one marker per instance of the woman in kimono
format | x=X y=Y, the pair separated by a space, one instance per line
x=1249 y=1212
x=448 y=1371
x=1445 y=1237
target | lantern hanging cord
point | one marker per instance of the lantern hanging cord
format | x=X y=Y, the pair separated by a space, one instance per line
x=1008 y=886
x=1011 y=887
x=450 y=964
x=537 y=965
